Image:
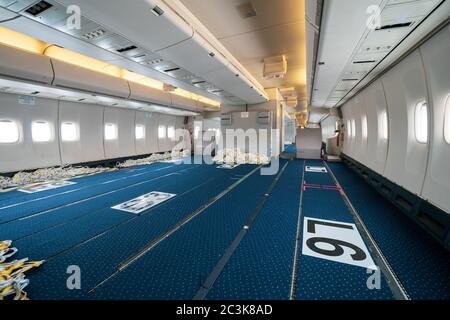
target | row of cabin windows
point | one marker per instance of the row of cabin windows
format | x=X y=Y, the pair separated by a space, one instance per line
x=420 y=124
x=42 y=131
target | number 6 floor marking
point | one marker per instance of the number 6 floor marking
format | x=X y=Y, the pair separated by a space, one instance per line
x=335 y=241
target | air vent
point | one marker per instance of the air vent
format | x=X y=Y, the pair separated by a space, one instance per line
x=138 y=56
x=157 y=11
x=198 y=82
x=129 y=48
x=246 y=10
x=394 y=26
x=94 y=34
x=364 y=61
x=38 y=8
x=171 y=70
x=350 y=79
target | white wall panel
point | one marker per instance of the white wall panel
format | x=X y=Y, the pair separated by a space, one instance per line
x=124 y=145
x=351 y=113
x=141 y=120
x=346 y=118
x=328 y=126
x=152 y=133
x=377 y=145
x=405 y=87
x=150 y=143
x=27 y=154
x=358 y=111
x=164 y=144
x=89 y=119
x=436 y=53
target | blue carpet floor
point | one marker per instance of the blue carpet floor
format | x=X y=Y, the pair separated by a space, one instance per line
x=321 y=279
x=75 y=226
x=28 y=220
x=177 y=267
x=97 y=185
x=100 y=256
x=421 y=264
x=261 y=267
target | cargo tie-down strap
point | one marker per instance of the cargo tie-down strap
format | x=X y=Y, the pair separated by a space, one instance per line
x=12 y=274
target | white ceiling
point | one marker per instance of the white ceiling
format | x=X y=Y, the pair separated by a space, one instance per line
x=278 y=28
x=345 y=39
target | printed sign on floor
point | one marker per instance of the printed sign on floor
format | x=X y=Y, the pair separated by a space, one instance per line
x=144 y=202
x=227 y=166
x=47 y=186
x=335 y=241
x=316 y=169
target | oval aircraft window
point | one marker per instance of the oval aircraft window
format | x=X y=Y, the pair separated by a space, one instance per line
x=447 y=121
x=171 y=132
x=9 y=131
x=69 y=132
x=353 y=128
x=421 y=122
x=41 y=131
x=364 y=127
x=110 y=131
x=383 y=125
x=349 y=129
x=161 y=132
x=140 y=132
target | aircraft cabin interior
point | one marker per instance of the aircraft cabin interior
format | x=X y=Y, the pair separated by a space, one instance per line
x=225 y=150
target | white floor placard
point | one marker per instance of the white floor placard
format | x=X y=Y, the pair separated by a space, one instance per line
x=47 y=186
x=335 y=241
x=144 y=202
x=316 y=169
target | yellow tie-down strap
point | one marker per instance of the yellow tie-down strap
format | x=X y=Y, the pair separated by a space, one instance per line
x=12 y=274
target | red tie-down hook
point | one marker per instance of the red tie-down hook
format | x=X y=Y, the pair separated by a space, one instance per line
x=336 y=187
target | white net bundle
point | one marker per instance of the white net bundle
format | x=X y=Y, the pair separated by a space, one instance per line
x=143 y=161
x=5 y=182
x=47 y=174
x=236 y=156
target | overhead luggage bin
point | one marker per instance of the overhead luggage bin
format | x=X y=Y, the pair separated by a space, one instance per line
x=147 y=94
x=231 y=80
x=183 y=103
x=195 y=55
x=143 y=18
x=74 y=77
x=24 y=65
